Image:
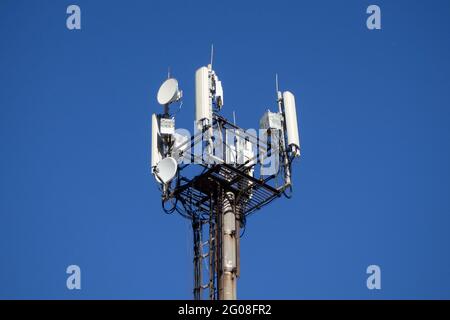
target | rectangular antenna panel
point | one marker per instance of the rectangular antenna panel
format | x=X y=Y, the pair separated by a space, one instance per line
x=156 y=142
x=203 y=107
x=219 y=94
x=290 y=115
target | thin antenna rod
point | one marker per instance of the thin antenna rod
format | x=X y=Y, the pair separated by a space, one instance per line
x=276 y=83
x=168 y=72
x=234 y=117
x=212 y=55
x=279 y=96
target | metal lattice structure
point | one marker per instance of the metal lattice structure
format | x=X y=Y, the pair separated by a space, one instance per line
x=220 y=175
x=199 y=197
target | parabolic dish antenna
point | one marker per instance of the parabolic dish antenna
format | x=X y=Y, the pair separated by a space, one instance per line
x=168 y=92
x=166 y=170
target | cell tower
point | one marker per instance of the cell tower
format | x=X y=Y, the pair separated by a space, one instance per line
x=221 y=174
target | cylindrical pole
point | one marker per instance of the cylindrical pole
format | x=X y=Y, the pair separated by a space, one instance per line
x=228 y=273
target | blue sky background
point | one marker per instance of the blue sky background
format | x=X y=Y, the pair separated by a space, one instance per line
x=372 y=186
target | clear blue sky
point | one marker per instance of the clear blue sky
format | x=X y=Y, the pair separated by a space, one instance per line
x=372 y=186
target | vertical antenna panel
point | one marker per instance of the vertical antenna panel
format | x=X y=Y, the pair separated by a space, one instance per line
x=219 y=94
x=290 y=115
x=156 y=143
x=203 y=108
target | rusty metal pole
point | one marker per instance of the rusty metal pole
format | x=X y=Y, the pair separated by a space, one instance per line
x=228 y=274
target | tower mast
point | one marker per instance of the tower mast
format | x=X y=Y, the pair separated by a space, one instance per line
x=234 y=181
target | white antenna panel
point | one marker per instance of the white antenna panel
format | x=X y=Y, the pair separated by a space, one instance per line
x=249 y=153
x=232 y=152
x=219 y=94
x=290 y=115
x=156 y=142
x=203 y=107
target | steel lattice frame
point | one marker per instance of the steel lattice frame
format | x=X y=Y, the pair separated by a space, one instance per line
x=199 y=198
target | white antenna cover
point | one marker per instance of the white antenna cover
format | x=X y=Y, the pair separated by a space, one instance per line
x=219 y=93
x=290 y=115
x=166 y=170
x=203 y=107
x=168 y=92
x=156 y=142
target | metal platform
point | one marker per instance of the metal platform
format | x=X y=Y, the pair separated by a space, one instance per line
x=251 y=193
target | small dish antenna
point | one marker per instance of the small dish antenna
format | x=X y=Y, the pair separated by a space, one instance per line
x=169 y=92
x=166 y=170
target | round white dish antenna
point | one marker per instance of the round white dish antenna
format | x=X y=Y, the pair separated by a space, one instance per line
x=166 y=170
x=169 y=92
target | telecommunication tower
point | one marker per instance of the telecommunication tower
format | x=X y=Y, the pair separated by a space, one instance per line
x=221 y=174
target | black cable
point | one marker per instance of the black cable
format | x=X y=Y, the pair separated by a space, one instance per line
x=168 y=211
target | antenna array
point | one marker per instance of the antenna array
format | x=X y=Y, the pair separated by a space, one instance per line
x=227 y=181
